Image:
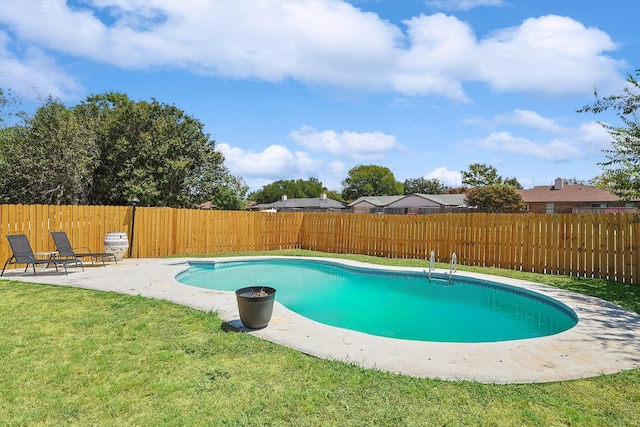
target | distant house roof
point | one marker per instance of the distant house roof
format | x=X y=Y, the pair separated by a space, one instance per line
x=445 y=199
x=380 y=201
x=260 y=206
x=302 y=203
x=566 y=193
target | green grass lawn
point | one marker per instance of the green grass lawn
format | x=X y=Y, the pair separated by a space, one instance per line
x=76 y=357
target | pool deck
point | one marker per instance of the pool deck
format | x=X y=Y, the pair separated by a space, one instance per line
x=605 y=340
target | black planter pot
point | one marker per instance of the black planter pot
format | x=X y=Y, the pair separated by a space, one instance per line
x=255 y=311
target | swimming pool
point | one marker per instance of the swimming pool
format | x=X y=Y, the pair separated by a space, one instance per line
x=406 y=305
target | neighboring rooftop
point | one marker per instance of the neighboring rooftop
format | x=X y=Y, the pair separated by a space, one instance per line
x=445 y=199
x=560 y=192
x=380 y=201
x=309 y=203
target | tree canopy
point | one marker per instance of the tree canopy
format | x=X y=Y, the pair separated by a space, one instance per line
x=480 y=174
x=370 y=180
x=424 y=186
x=622 y=167
x=495 y=198
x=110 y=149
x=292 y=188
x=512 y=182
x=49 y=159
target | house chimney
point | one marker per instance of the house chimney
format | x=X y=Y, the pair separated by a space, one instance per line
x=558 y=185
x=284 y=197
x=323 y=196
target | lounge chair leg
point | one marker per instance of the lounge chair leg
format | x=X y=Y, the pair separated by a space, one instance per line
x=5 y=266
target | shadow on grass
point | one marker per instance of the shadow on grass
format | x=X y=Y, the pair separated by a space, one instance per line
x=622 y=294
x=233 y=326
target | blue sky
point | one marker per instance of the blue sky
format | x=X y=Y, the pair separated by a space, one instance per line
x=308 y=88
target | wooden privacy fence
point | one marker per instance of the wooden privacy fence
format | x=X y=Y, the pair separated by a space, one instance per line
x=585 y=245
x=85 y=225
x=158 y=232
x=164 y=231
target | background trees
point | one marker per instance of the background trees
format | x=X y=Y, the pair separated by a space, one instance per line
x=109 y=149
x=155 y=152
x=298 y=188
x=480 y=174
x=489 y=192
x=424 y=186
x=370 y=180
x=495 y=198
x=49 y=159
x=622 y=168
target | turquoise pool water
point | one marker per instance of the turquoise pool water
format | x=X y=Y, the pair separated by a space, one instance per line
x=403 y=305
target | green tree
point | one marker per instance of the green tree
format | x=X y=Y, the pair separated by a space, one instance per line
x=157 y=153
x=495 y=198
x=575 y=181
x=370 y=180
x=622 y=167
x=605 y=180
x=8 y=115
x=512 y=182
x=292 y=188
x=230 y=193
x=334 y=195
x=109 y=149
x=424 y=186
x=50 y=159
x=480 y=174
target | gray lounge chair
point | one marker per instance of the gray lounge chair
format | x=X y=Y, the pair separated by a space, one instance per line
x=65 y=250
x=23 y=254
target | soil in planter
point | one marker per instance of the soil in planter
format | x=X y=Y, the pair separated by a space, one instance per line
x=257 y=294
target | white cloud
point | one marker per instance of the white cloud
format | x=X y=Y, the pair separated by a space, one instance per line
x=275 y=162
x=274 y=40
x=530 y=119
x=594 y=136
x=450 y=178
x=463 y=4
x=338 y=168
x=554 y=151
x=439 y=47
x=354 y=145
x=526 y=133
x=335 y=173
x=550 y=54
x=35 y=74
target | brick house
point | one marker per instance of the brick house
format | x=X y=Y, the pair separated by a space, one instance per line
x=569 y=198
